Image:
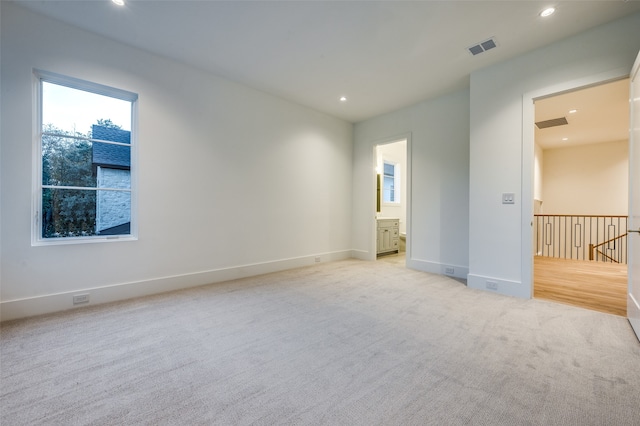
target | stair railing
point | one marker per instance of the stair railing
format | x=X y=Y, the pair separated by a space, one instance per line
x=594 y=248
x=578 y=237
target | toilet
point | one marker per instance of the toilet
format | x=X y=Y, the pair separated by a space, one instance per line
x=403 y=242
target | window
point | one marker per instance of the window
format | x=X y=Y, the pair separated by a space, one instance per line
x=85 y=146
x=391 y=189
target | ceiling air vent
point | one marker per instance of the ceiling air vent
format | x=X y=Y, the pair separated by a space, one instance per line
x=552 y=123
x=482 y=47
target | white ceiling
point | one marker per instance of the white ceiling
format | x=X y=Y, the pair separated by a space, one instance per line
x=382 y=55
x=602 y=115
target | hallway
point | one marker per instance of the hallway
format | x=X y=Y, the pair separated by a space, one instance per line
x=598 y=286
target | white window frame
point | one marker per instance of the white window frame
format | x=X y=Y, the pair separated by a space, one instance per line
x=40 y=76
x=396 y=183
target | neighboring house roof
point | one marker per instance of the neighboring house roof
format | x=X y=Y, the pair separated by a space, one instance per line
x=108 y=155
x=123 y=229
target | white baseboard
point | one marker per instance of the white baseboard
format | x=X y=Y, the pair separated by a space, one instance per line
x=456 y=271
x=362 y=255
x=46 y=304
x=497 y=285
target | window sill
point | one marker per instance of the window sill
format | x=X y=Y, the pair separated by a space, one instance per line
x=82 y=240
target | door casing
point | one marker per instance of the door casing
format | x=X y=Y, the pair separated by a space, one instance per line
x=528 y=147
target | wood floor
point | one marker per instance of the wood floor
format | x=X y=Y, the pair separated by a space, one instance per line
x=593 y=285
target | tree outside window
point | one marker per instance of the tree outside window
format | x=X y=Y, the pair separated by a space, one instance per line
x=85 y=149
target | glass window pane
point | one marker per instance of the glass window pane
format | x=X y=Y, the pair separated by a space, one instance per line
x=389 y=169
x=68 y=213
x=86 y=159
x=388 y=183
x=67 y=162
x=113 y=213
x=112 y=162
x=113 y=178
x=388 y=189
x=74 y=111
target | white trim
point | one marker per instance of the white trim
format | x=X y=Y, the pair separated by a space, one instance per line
x=459 y=271
x=360 y=254
x=40 y=76
x=85 y=188
x=408 y=200
x=61 y=241
x=527 y=158
x=633 y=321
x=36 y=161
x=84 y=138
x=84 y=85
x=133 y=171
x=50 y=303
x=505 y=287
x=373 y=225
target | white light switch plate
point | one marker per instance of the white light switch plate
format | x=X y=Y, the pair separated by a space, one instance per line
x=508 y=198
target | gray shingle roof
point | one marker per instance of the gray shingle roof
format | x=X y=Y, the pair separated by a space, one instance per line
x=107 y=155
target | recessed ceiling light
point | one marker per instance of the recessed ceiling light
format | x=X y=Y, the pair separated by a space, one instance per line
x=547 y=12
x=573 y=111
x=118 y=2
x=565 y=139
x=343 y=99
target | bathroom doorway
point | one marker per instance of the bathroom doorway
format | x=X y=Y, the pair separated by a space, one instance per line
x=392 y=197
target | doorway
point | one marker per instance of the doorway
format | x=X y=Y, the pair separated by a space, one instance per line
x=392 y=197
x=580 y=197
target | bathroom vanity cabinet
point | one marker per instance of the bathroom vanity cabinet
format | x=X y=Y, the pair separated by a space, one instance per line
x=388 y=240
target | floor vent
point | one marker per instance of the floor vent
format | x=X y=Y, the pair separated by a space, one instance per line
x=552 y=123
x=482 y=47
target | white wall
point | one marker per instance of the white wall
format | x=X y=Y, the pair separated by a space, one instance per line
x=538 y=170
x=232 y=181
x=395 y=153
x=438 y=211
x=501 y=143
x=587 y=179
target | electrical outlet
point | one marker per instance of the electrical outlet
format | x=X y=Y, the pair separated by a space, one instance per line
x=449 y=270
x=80 y=298
x=492 y=285
x=318 y=259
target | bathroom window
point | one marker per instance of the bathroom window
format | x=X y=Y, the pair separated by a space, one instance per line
x=85 y=163
x=390 y=180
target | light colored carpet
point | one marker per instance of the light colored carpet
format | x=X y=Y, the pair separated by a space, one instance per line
x=343 y=343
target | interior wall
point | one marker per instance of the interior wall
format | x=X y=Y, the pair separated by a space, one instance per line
x=502 y=150
x=438 y=214
x=232 y=181
x=395 y=153
x=538 y=173
x=587 y=179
